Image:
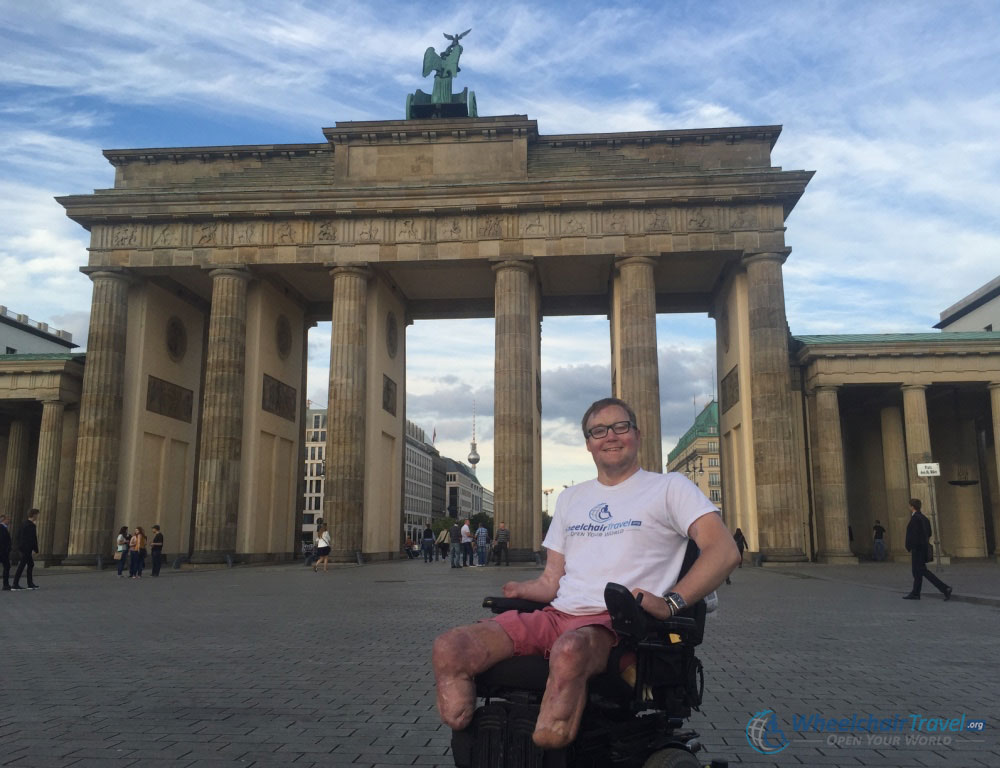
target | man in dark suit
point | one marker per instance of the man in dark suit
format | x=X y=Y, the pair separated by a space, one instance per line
x=918 y=536
x=5 y=551
x=27 y=542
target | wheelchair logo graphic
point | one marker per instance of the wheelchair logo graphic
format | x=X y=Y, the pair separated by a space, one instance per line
x=764 y=733
x=600 y=513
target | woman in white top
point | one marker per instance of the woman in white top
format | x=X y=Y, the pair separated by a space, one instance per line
x=121 y=548
x=322 y=547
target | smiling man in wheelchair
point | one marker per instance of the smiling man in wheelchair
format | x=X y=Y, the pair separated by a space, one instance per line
x=626 y=527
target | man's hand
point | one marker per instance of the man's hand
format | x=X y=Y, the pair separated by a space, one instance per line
x=652 y=603
x=544 y=588
x=512 y=589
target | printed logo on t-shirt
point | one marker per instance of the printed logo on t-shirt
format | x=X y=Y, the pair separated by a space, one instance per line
x=602 y=523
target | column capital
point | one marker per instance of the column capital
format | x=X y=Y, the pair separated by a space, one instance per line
x=628 y=259
x=834 y=388
x=779 y=256
x=912 y=387
x=994 y=385
x=241 y=272
x=525 y=265
x=358 y=270
x=108 y=273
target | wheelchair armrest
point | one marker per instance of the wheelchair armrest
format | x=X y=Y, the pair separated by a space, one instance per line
x=629 y=619
x=503 y=604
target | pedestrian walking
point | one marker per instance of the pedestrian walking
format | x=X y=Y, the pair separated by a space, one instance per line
x=918 y=538
x=156 y=550
x=137 y=553
x=121 y=548
x=5 y=544
x=455 y=536
x=741 y=544
x=442 y=544
x=27 y=543
x=502 y=543
x=482 y=545
x=878 y=543
x=427 y=544
x=323 y=547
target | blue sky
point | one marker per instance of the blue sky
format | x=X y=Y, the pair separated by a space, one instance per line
x=895 y=105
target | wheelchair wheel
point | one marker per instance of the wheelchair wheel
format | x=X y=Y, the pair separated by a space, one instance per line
x=672 y=758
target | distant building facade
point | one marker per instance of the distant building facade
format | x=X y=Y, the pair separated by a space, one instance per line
x=20 y=335
x=315 y=475
x=418 y=479
x=697 y=454
x=979 y=311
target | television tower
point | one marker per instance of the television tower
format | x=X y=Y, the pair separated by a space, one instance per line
x=473 y=454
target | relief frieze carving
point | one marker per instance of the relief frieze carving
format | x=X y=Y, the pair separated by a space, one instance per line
x=489 y=227
x=408 y=229
x=532 y=224
x=367 y=230
x=278 y=398
x=658 y=220
x=744 y=218
x=327 y=232
x=245 y=232
x=164 y=235
x=207 y=233
x=574 y=224
x=614 y=222
x=123 y=236
x=284 y=233
x=170 y=400
x=450 y=229
x=701 y=219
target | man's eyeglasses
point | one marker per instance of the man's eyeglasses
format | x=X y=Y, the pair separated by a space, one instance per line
x=619 y=428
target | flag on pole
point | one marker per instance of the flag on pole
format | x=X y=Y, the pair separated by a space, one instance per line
x=434 y=436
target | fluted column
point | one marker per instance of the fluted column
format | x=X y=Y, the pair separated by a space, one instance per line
x=778 y=494
x=13 y=502
x=832 y=484
x=897 y=484
x=918 y=440
x=95 y=483
x=221 y=446
x=639 y=372
x=47 y=473
x=513 y=476
x=344 y=485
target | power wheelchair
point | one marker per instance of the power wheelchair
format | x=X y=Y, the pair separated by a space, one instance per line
x=635 y=711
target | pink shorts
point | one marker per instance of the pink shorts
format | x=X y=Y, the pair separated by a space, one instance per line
x=535 y=632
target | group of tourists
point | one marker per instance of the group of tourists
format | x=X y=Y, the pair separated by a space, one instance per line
x=131 y=548
x=27 y=545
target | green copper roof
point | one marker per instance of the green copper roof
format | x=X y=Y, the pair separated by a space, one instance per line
x=943 y=337
x=44 y=356
x=705 y=425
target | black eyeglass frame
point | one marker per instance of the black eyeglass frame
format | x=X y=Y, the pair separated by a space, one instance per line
x=619 y=428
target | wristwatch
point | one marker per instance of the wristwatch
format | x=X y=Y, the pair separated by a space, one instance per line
x=674 y=602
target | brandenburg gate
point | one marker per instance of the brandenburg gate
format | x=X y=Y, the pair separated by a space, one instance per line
x=210 y=264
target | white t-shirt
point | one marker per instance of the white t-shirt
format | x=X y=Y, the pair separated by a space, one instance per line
x=466 y=534
x=633 y=534
x=324 y=540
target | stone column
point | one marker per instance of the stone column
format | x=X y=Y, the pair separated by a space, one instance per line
x=513 y=454
x=918 y=441
x=14 y=501
x=221 y=447
x=897 y=484
x=47 y=473
x=639 y=371
x=95 y=480
x=778 y=495
x=995 y=404
x=344 y=483
x=831 y=483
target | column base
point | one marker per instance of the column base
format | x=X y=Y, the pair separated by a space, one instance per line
x=346 y=556
x=785 y=555
x=838 y=558
x=90 y=560
x=206 y=557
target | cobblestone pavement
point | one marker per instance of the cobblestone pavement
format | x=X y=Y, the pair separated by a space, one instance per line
x=275 y=666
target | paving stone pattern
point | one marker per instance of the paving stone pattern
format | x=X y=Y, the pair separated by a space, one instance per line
x=278 y=666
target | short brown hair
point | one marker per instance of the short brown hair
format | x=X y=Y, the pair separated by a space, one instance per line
x=607 y=402
x=916 y=504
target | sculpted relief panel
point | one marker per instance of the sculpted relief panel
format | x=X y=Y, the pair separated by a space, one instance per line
x=350 y=230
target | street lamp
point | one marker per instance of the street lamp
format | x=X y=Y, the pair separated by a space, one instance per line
x=546 y=493
x=694 y=466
